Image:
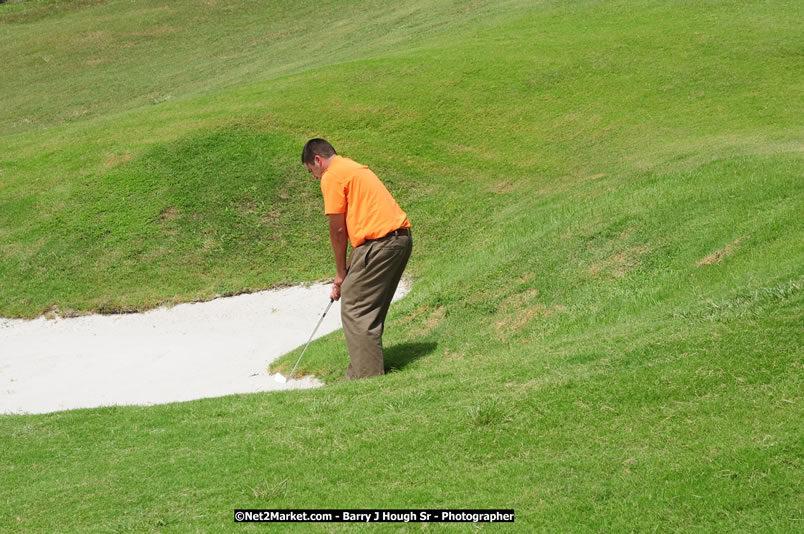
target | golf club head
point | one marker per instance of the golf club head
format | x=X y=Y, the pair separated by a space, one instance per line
x=278 y=376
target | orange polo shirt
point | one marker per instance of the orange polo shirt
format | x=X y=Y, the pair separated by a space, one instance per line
x=351 y=188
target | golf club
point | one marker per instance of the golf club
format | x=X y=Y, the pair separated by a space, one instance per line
x=281 y=379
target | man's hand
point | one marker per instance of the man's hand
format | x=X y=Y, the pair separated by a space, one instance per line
x=336 y=288
x=338 y=237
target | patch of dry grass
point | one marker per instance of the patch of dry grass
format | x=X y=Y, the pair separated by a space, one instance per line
x=718 y=255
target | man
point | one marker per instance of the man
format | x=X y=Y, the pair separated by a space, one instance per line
x=362 y=211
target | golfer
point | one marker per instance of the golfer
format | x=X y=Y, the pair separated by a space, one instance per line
x=363 y=212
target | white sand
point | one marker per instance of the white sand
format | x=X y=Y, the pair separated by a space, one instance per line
x=186 y=352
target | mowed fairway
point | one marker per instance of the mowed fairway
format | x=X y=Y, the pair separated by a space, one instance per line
x=604 y=331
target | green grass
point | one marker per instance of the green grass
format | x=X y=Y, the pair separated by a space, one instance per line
x=604 y=331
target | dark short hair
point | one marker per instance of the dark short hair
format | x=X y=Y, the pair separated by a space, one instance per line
x=317 y=147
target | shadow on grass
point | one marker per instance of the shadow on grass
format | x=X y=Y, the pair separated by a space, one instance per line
x=399 y=356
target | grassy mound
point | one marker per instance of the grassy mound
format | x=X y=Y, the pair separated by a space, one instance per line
x=604 y=329
x=178 y=220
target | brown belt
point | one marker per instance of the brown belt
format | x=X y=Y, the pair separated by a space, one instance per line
x=398 y=231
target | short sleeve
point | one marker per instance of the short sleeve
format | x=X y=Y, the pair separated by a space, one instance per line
x=334 y=194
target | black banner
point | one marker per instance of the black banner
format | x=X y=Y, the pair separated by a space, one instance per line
x=374 y=516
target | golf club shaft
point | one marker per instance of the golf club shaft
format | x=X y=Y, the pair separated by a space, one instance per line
x=311 y=337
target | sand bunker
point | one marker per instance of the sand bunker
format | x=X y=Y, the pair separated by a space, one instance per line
x=186 y=352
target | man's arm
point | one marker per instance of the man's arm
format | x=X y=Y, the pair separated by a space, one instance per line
x=339 y=239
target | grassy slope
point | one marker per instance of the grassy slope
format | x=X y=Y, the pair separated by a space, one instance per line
x=565 y=350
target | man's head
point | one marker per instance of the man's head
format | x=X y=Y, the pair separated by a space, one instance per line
x=317 y=155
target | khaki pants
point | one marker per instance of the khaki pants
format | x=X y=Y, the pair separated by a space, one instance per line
x=375 y=270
